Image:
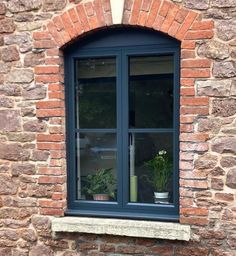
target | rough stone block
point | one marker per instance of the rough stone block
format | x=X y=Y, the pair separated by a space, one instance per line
x=196 y=4
x=224 y=108
x=224 y=69
x=14 y=152
x=226 y=29
x=224 y=145
x=35 y=92
x=10 y=53
x=20 y=76
x=23 y=168
x=16 y=6
x=52 y=5
x=9 y=120
x=214 y=50
x=231 y=178
x=7 y=185
x=7 y=25
x=214 y=88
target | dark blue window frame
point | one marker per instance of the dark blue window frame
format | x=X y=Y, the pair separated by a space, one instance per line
x=120 y=43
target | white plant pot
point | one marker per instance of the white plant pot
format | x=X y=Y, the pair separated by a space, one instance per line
x=161 y=197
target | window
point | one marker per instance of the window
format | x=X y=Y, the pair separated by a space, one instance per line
x=122 y=95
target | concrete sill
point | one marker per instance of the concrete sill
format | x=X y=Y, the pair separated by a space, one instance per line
x=120 y=227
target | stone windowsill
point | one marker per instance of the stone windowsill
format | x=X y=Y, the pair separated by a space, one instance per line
x=120 y=227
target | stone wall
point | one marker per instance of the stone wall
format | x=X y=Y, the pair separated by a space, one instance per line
x=32 y=148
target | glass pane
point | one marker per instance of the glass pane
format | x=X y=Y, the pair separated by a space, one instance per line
x=151 y=167
x=96 y=93
x=96 y=166
x=151 y=92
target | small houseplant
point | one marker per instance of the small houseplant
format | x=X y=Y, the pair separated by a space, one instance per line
x=160 y=172
x=100 y=184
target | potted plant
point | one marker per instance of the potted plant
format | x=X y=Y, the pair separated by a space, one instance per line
x=161 y=169
x=100 y=184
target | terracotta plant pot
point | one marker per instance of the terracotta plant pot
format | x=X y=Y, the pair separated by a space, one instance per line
x=161 y=197
x=101 y=197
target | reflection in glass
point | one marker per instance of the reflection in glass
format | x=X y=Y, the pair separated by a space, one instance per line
x=96 y=166
x=96 y=93
x=151 y=92
x=151 y=167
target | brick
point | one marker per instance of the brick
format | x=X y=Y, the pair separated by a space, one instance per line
x=58 y=23
x=50 y=146
x=195 y=147
x=201 y=137
x=169 y=18
x=196 y=101
x=142 y=18
x=196 y=63
x=41 y=35
x=51 y=180
x=51 y=211
x=48 y=78
x=187 y=54
x=188 y=44
x=89 y=9
x=203 y=111
x=191 y=16
x=57 y=196
x=83 y=18
x=186 y=128
x=45 y=44
x=51 y=204
x=50 y=171
x=195 y=73
x=153 y=13
x=106 y=5
x=49 y=104
x=166 y=6
x=187 y=81
x=55 y=87
x=128 y=4
x=173 y=28
x=93 y=22
x=165 y=250
x=46 y=70
x=50 y=137
x=55 y=34
x=50 y=112
x=194 y=211
x=158 y=22
x=199 y=34
x=68 y=25
x=73 y=15
x=203 y=25
x=99 y=13
x=181 y=15
x=194 y=221
x=56 y=95
x=187 y=91
x=187 y=119
x=52 y=61
x=146 y=5
x=135 y=12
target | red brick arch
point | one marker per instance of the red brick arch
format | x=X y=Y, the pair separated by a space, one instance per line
x=162 y=15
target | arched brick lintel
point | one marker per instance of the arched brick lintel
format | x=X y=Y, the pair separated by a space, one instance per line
x=161 y=15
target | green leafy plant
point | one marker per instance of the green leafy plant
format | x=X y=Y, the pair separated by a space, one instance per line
x=160 y=171
x=101 y=182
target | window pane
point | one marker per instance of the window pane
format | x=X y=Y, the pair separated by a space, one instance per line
x=96 y=93
x=96 y=166
x=151 y=167
x=151 y=92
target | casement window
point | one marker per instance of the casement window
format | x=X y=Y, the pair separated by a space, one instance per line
x=122 y=95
